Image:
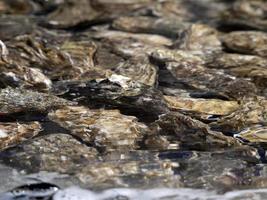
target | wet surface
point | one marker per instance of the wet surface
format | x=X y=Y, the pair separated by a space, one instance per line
x=134 y=99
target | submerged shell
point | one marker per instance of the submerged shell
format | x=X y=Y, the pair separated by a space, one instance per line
x=20 y=100
x=207 y=106
x=11 y=134
x=149 y=173
x=56 y=152
x=107 y=129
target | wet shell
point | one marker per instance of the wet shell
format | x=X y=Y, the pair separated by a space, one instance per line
x=19 y=100
x=117 y=90
x=11 y=134
x=192 y=133
x=250 y=112
x=199 y=37
x=254 y=134
x=188 y=68
x=56 y=152
x=139 y=69
x=165 y=27
x=123 y=173
x=207 y=106
x=106 y=129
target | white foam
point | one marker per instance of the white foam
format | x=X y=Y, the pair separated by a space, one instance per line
x=75 y=193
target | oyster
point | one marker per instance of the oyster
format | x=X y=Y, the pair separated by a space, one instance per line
x=151 y=39
x=11 y=134
x=206 y=106
x=190 y=69
x=138 y=69
x=105 y=129
x=69 y=60
x=71 y=13
x=192 y=133
x=19 y=100
x=56 y=152
x=251 y=112
x=248 y=15
x=199 y=37
x=140 y=24
x=118 y=91
x=247 y=42
x=247 y=66
x=150 y=173
x=254 y=134
x=24 y=77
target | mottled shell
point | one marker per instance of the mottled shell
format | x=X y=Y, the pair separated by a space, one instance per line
x=207 y=106
x=104 y=128
x=19 y=100
x=11 y=134
x=254 y=134
x=249 y=42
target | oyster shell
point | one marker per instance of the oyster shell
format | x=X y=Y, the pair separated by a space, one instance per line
x=106 y=129
x=192 y=133
x=138 y=69
x=118 y=91
x=148 y=173
x=254 y=134
x=199 y=37
x=166 y=27
x=251 y=112
x=151 y=39
x=68 y=60
x=57 y=152
x=206 y=106
x=248 y=15
x=20 y=100
x=248 y=42
x=247 y=66
x=71 y=13
x=11 y=134
x=190 y=69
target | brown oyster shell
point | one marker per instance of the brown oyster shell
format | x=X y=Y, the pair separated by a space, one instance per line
x=166 y=27
x=199 y=37
x=20 y=100
x=253 y=134
x=251 y=112
x=192 y=133
x=248 y=42
x=107 y=129
x=190 y=69
x=56 y=152
x=206 y=106
x=11 y=134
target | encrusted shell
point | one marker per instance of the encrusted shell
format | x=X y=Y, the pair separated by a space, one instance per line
x=207 y=106
x=11 y=134
x=107 y=129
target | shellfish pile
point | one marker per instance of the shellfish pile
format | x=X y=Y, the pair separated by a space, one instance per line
x=134 y=93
